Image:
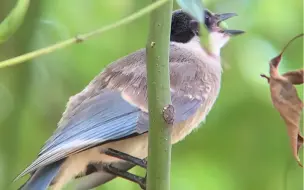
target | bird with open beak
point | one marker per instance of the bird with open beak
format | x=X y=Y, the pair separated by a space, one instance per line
x=104 y=130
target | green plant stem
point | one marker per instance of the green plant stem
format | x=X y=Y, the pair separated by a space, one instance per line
x=13 y=21
x=80 y=38
x=159 y=97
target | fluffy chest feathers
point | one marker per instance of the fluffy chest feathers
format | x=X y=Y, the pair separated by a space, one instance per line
x=192 y=70
x=199 y=76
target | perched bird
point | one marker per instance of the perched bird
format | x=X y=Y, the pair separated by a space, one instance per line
x=107 y=123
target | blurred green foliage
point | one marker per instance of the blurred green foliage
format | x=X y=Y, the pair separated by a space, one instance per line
x=242 y=146
x=13 y=21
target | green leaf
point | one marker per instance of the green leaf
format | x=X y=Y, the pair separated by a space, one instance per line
x=13 y=21
x=204 y=37
x=223 y=25
x=194 y=7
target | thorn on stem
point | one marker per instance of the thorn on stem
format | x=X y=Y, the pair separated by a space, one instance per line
x=152 y=44
x=79 y=39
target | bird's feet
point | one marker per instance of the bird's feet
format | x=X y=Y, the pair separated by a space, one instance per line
x=141 y=181
x=126 y=157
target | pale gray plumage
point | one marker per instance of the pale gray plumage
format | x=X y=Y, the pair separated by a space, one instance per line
x=111 y=112
x=96 y=113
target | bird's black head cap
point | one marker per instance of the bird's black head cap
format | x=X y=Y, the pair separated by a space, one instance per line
x=184 y=27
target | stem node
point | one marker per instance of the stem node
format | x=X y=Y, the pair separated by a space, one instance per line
x=168 y=114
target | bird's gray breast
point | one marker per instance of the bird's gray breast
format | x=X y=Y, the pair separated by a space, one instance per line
x=193 y=74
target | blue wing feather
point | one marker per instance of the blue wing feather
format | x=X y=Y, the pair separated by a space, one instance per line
x=185 y=106
x=105 y=117
x=102 y=112
x=43 y=177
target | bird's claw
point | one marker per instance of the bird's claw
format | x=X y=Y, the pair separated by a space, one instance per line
x=126 y=157
x=141 y=181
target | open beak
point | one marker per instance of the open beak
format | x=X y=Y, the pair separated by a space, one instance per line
x=225 y=16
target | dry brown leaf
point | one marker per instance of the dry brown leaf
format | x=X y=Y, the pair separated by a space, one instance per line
x=286 y=100
x=295 y=77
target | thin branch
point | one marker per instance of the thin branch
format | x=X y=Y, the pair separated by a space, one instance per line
x=80 y=38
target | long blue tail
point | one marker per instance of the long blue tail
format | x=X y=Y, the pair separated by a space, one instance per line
x=43 y=177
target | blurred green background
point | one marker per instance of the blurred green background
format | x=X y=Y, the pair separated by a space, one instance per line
x=242 y=146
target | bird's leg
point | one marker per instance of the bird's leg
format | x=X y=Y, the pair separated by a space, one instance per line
x=124 y=174
x=126 y=157
x=141 y=181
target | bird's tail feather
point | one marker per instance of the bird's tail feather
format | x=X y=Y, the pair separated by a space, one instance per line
x=43 y=177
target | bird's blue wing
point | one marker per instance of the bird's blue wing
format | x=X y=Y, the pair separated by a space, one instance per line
x=185 y=106
x=104 y=117
x=43 y=177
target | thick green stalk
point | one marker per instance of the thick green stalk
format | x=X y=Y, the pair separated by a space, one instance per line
x=159 y=98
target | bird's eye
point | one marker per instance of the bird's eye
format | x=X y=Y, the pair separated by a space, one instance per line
x=207 y=19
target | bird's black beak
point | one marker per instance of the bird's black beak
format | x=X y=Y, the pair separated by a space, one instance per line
x=222 y=17
x=225 y=16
